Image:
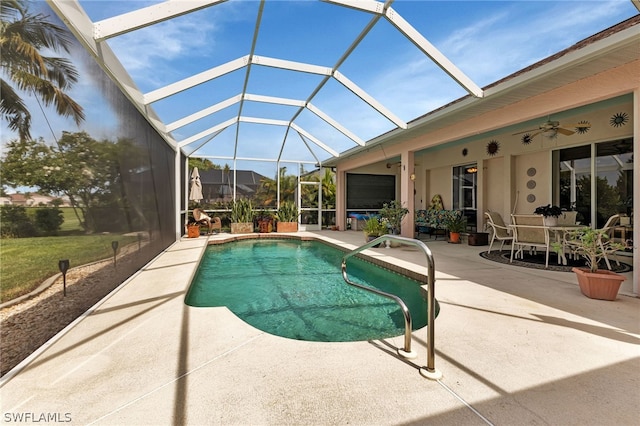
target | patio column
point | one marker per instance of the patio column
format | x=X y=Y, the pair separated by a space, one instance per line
x=407 y=185
x=341 y=200
x=178 y=193
x=636 y=192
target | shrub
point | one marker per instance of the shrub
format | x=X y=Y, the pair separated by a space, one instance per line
x=15 y=223
x=288 y=212
x=48 y=220
x=241 y=211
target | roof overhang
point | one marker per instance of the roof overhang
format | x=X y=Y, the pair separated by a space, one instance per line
x=609 y=49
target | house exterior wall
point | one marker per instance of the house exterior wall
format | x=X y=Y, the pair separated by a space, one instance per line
x=503 y=174
x=539 y=193
x=493 y=169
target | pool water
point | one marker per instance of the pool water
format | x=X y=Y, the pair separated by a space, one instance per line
x=295 y=289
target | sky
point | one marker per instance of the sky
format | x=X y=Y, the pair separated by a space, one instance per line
x=486 y=40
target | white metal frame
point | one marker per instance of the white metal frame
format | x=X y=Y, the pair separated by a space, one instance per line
x=93 y=36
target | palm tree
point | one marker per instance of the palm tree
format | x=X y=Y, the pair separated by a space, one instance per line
x=268 y=191
x=23 y=38
x=328 y=189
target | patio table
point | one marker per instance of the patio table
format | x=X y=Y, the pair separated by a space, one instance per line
x=558 y=231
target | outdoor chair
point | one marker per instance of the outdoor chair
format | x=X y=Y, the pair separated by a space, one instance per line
x=500 y=231
x=608 y=229
x=529 y=231
x=572 y=246
x=201 y=218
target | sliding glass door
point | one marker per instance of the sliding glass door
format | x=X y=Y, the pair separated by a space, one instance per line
x=595 y=200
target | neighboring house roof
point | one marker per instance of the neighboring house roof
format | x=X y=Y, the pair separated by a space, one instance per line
x=218 y=183
x=32 y=199
x=18 y=199
x=218 y=176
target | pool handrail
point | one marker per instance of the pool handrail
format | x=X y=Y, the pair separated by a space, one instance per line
x=429 y=371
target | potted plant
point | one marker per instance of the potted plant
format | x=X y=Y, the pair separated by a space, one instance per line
x=241 y=217
x=373 y=228
x=264 y=219
x=455 y=223
x=593 y=245
x=287 y=217
x=550 y=213
x=393 y=212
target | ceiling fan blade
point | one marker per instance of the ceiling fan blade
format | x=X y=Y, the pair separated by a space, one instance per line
x=577 y=125
x=565 y=132
x=525 y=131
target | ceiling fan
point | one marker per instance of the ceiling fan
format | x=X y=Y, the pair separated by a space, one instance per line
x=551 y=128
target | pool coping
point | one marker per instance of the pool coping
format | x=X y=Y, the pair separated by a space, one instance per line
x=368 y=255
x=510 y=353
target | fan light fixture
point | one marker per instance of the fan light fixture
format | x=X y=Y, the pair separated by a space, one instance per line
x=473 y=169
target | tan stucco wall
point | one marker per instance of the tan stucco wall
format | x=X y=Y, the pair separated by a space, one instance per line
x=441 y=184
x=537 y=164
x=493 y=180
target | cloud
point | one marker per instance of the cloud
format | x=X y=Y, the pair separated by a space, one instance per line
x=171 y=50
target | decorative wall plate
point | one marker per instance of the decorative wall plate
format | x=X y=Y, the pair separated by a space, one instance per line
x=531 y=171
x=619 y=119
x=531 y=198
x=493 y=147
x=526 y=139
x=583 y=127
x=531 y=184
x=465 y=151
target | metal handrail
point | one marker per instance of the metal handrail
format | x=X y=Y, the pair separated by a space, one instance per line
x=430 y=370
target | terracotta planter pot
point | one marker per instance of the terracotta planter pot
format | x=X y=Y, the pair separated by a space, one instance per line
x=602 y=284
x=265 y=226
x=287 y=227
x=369 y=238
x=242 y=228
x=454 y=237
x=193 y=231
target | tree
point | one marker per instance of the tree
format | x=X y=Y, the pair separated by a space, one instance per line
x=203 y=164
x=85 y=170
x=268 y=191
x=23 y=40
x=328 y=189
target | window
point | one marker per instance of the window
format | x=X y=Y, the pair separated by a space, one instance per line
x=369 y=192
x=611 y=192
x=465 y=187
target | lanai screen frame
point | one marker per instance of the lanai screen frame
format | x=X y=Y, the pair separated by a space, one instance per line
x=93 y=37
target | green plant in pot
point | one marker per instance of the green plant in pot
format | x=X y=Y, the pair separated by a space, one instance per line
x=456 y=223
x=393 y=212
x=593 y=245
x=241 y=217
x=287 y=217
x=550 y=213
x=373 y=228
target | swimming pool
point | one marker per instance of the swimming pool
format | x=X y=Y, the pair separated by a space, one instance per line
x=294 y=289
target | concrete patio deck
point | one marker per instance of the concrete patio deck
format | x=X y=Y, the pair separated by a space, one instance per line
x=515 y=346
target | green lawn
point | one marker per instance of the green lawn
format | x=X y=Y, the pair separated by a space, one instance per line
x=71 y=222
x=27 y=262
